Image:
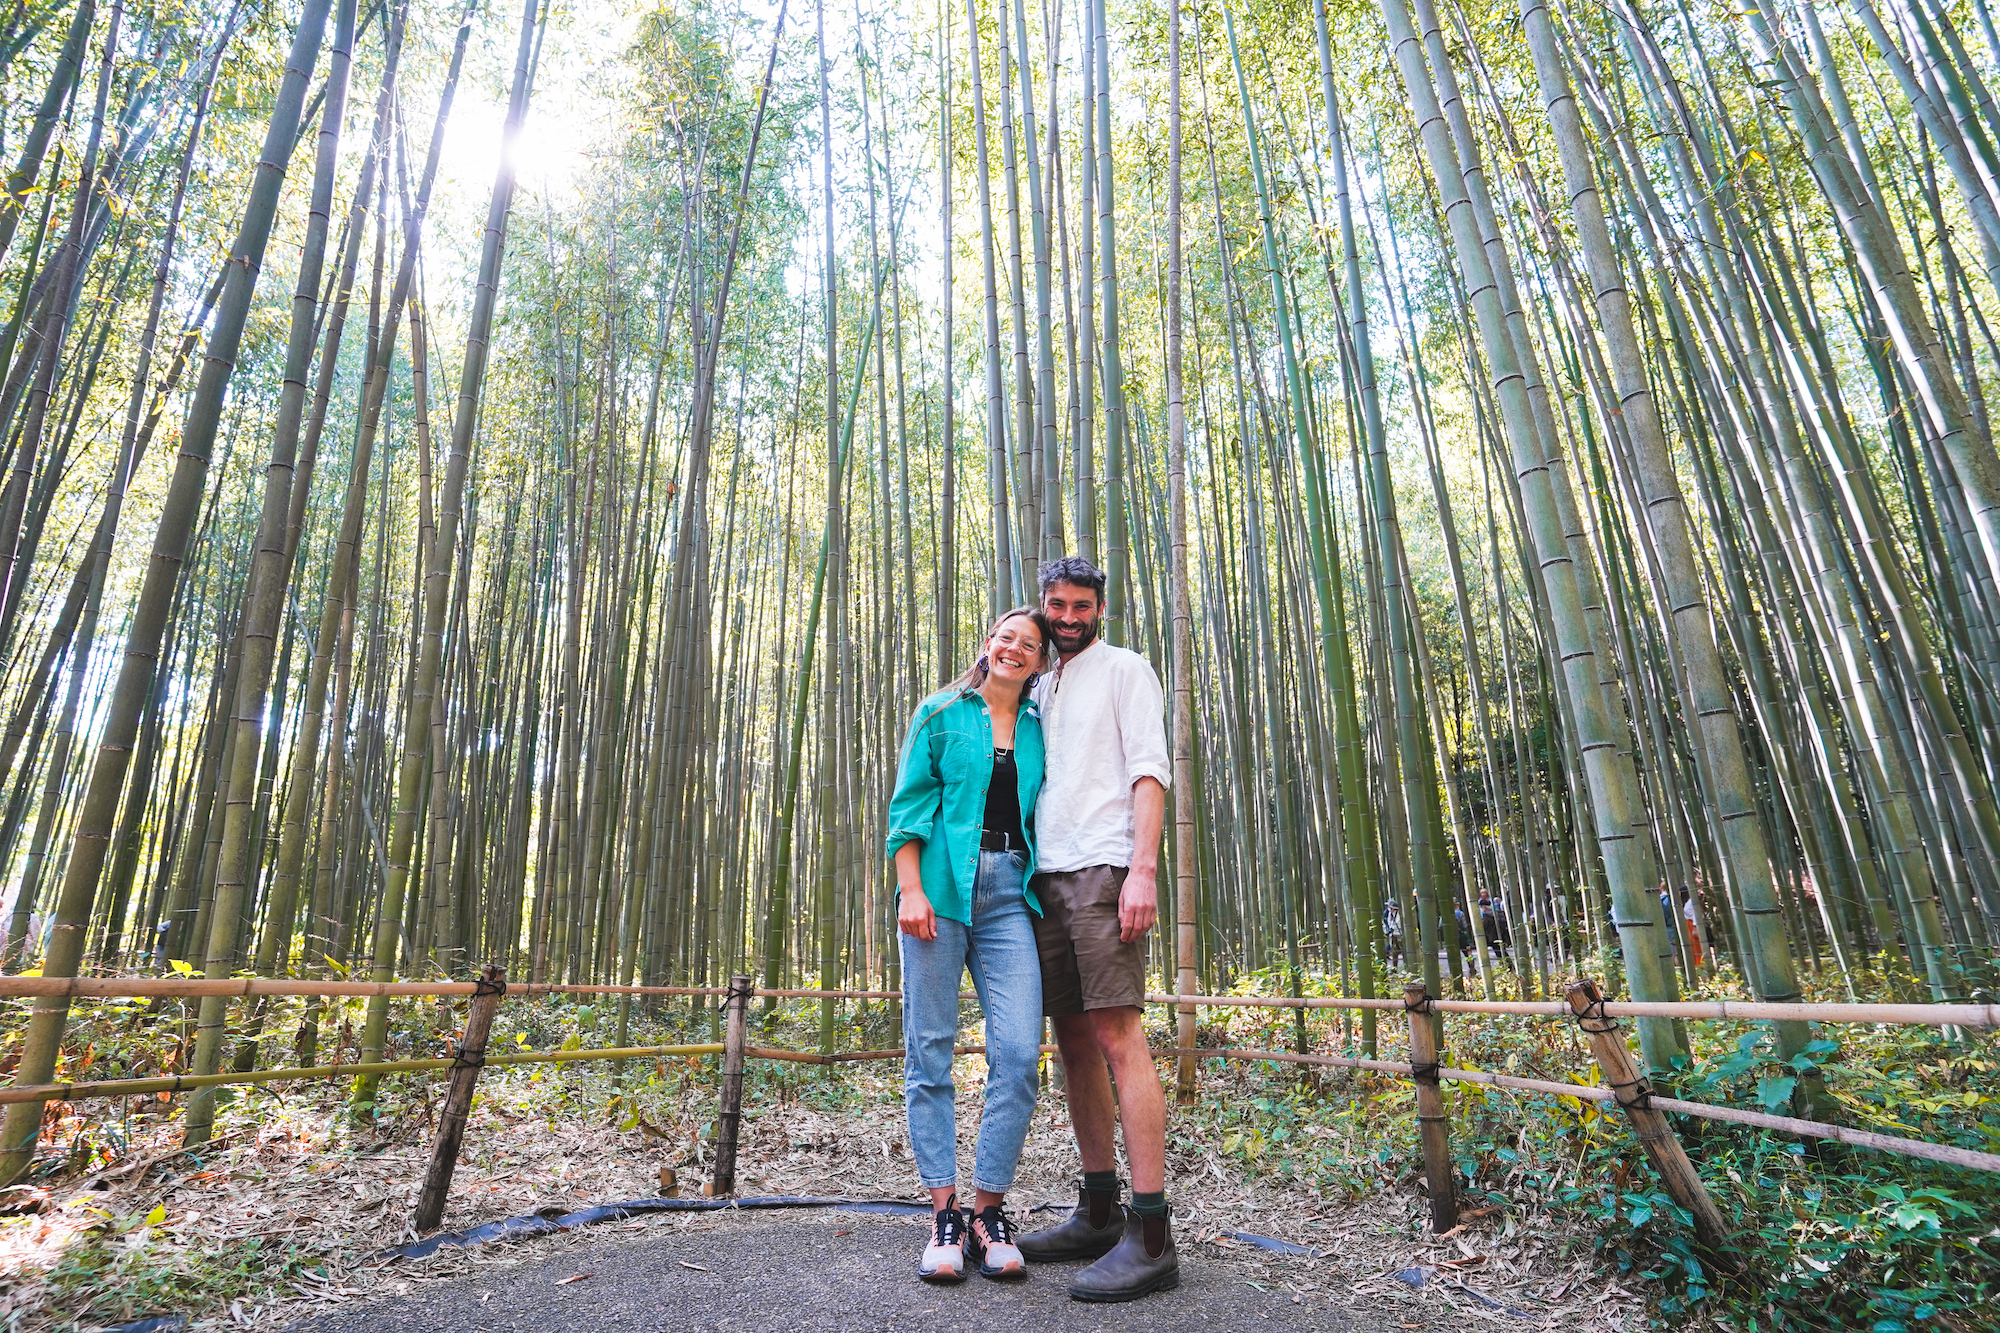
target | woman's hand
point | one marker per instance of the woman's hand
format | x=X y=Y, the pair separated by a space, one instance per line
x=913 y=910
x=914 y=916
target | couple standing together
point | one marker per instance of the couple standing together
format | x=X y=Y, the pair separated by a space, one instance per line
x=1025 y=831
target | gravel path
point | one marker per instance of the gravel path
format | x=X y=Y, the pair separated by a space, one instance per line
x=830 y=1271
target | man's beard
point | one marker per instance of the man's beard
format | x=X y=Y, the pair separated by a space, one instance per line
x=1076 y=641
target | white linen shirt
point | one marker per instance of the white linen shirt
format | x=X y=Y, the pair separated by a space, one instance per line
x=1103 y=721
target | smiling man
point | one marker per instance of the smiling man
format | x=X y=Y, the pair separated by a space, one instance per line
x=1098 y=846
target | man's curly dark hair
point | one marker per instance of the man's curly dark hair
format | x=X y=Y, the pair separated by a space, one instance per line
x=1071 y=569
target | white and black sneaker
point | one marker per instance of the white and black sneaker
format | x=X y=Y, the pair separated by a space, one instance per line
x=992 y=1245
x=944 y=1257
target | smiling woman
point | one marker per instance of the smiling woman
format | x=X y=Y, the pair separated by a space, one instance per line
x=961 y=833
x=956 y=744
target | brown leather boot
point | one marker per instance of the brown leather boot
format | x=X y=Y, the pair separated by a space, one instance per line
x=1075 y=1238
x=1143 y=1262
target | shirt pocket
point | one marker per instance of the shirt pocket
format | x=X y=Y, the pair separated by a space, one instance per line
x=962 y=758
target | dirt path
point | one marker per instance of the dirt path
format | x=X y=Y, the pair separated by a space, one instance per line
x=282 y=1224
x=846 y=1273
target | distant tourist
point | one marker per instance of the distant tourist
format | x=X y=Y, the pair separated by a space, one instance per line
x=1693 y=925
x=1493 y=925
x=961 y=834
x=1392 y=936
x=1099 y=845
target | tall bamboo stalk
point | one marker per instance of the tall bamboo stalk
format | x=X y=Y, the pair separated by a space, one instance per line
x=170 y=544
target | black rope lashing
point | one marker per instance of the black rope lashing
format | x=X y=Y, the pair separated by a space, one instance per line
x=1422 y=1004
x=487 y=985
x=460 y=1060
x=1594 y=1013
x=745 y=992
x=1425 y=1071
x=1641 y=1098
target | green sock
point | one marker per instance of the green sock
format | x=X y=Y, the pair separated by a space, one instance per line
x=1149 y=1205
x=1101 y=1182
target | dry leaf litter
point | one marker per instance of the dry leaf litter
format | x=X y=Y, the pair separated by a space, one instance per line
x=330 y=1200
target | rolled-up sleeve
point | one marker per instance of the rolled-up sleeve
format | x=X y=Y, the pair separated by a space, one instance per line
x=1142 y=724
x=913 y=805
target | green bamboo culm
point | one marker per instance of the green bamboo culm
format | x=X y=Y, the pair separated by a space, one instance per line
x=1707 y=701
x=269 y=576
x=21 y=1126
x=444 y=546
x=1616 y=812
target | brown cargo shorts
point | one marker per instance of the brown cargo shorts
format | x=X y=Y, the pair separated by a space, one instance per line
x=1084 y=964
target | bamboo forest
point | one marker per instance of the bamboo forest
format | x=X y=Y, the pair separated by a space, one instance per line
x=486 y=485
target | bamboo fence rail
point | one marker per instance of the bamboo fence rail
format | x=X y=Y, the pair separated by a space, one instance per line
x=1860 y=1138
x=171 y=1083
x=770 y=992
x=1397 y=1068
x=1401 y=1069
x=1749 y=1011
x=246 y=987
x=1626 y=1084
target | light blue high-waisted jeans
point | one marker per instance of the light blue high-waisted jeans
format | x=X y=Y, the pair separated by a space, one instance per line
x=999 y=948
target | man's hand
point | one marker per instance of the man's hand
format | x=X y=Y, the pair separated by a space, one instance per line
x=914 y=916
x=1139 y=900
x=1138 y=904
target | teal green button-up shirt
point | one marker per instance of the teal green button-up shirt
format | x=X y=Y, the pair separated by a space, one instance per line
x=940 y=796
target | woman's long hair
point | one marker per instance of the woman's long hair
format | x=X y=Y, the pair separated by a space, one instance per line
x=974 y=676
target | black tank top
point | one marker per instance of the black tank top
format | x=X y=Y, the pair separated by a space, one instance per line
x=1003 y=800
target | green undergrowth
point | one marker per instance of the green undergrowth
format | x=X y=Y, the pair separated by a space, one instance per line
x=1825 y=1236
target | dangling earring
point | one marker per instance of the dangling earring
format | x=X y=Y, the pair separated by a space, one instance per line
x=983 y=666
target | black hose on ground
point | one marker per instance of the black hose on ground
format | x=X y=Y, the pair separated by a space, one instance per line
x=543 y=1224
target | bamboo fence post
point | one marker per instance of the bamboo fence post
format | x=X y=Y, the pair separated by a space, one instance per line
x=732 y=1089
x=1628 y=1083
x=471 y=1054
x=1432 y=1123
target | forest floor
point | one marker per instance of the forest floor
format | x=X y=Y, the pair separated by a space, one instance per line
x=283 y=1222
x=285 y=1219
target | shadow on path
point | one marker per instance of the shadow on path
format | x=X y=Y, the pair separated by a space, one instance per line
x=802 y=1273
